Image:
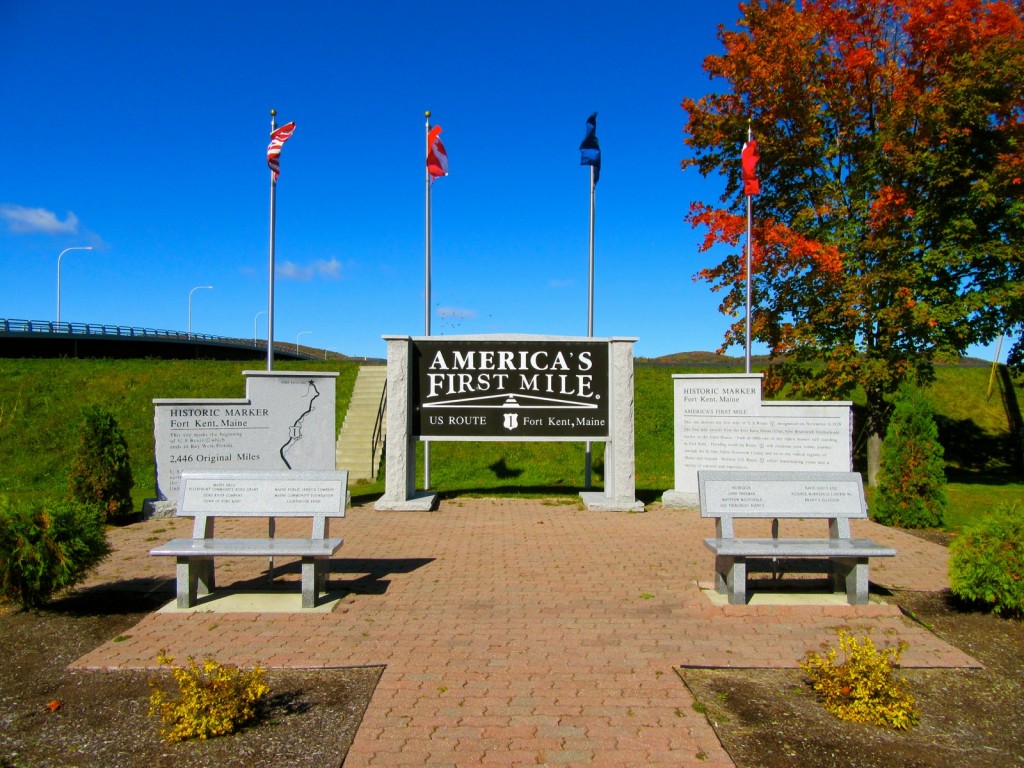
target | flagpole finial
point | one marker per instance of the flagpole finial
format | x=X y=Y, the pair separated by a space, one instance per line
x=427 y=113
x=273 y=113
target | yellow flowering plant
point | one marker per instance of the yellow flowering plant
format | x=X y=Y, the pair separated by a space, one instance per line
x=207 y=699
x=863 y=687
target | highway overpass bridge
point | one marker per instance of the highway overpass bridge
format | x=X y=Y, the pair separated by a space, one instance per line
x=44 y=338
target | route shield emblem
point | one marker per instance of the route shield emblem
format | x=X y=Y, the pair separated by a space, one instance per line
x=511 y=421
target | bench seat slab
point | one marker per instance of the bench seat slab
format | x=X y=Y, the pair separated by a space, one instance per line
x=249 y=547
x=194 y=558
x=798 y=548
x=848 y=559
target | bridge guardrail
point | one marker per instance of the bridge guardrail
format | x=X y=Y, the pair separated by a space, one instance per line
x=124 y=331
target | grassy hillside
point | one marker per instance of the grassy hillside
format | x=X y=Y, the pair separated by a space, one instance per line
x=40 y=401
x=982 y=457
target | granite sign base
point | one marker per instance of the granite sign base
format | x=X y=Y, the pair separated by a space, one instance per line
x=681 y=499
x=596 y=501
x=417 y=502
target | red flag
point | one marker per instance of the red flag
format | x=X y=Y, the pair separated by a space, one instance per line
x=749 y=157
x=437 y=157
x=277 y=139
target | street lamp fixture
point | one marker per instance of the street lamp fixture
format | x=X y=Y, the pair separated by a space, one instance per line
x=198 y=287
x=72 y=248
x=297 y=340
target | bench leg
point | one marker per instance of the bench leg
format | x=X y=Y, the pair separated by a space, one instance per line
x=186 y=583
x=850 y=575
x=321 y=576
x=194 y=578
x=206 y=581
x=312 y=581
x=731 y=578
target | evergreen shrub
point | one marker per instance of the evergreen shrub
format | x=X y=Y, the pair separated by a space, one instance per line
x=986 y=561
x=47 y=547
x=912 y=474
x=101 y=472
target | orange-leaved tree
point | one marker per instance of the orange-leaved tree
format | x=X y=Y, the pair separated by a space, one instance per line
x=888 y=231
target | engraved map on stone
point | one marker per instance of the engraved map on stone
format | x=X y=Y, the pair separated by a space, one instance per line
x=295 y=430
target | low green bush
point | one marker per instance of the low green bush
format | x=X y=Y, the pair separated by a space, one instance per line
x=986 y=561
x=46 y=547
x=101 y=473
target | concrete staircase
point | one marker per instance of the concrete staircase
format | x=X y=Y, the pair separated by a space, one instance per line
x=355 y=450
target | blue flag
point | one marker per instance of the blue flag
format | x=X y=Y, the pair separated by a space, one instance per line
x=590 y=151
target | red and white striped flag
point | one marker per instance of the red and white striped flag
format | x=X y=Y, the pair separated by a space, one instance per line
x=437 y=157
x=277 y=139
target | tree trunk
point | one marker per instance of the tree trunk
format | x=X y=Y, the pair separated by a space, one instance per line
x=874 y=454
x=876 y=423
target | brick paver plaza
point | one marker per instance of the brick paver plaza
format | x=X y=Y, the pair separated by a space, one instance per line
x=519 y=632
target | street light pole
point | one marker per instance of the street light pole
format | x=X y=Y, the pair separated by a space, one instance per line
x=198 y=287
x=297 y=340
x=73 y=248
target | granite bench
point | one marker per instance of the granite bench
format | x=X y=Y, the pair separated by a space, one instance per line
x=837 y=497
x=208 y=496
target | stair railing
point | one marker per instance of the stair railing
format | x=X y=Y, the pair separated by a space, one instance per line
x=378 y=433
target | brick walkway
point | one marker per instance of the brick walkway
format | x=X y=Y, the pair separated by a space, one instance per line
x=520 y=632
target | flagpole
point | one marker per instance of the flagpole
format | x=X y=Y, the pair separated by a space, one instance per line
x=271 y=523
x=750 y=229
x=426 y=290
x=426 y=303
x=590 y=300
x=749 y=291
x=273 y=220
x=590 y=304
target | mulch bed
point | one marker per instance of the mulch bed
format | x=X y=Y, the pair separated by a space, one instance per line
x=100 y=717
x=969 y=717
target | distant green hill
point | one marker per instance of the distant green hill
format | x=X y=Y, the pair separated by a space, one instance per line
x=715 y=359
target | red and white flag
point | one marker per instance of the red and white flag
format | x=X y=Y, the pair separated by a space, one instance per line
x=437 y=157
x=749 y=157
x=277 y=139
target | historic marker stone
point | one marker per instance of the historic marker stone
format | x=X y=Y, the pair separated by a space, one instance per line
x=286 y=421
x=722 y=423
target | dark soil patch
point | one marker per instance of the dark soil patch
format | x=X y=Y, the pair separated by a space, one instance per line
x=310 y=719
x=771 y=718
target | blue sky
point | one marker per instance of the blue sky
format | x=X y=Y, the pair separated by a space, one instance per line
x=141 y=128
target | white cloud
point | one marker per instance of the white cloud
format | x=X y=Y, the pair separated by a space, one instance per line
x=328 y=269
x=21 y=220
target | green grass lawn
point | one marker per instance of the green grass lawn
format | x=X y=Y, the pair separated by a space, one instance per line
x=40 y=403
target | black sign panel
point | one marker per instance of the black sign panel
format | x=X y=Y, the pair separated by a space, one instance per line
x=510 y=389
